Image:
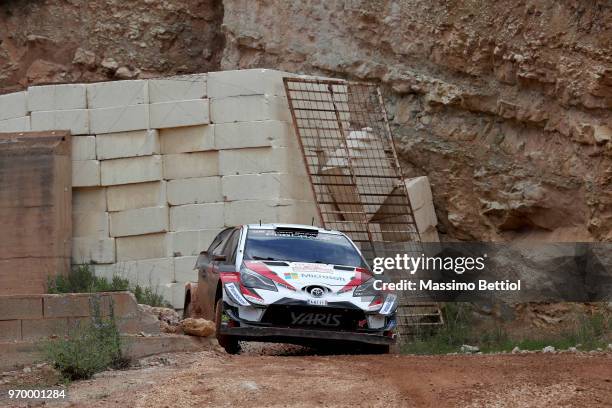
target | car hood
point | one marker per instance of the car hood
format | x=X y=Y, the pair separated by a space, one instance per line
x=304 y=274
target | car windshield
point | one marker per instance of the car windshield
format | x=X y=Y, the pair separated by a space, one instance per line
x=267 y=244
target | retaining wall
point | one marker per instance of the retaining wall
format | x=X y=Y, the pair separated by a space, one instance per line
x=160 y=166
x=34 y=317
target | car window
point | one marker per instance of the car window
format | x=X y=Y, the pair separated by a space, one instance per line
x=266 y=244
x=215 y=247
x=230 y=247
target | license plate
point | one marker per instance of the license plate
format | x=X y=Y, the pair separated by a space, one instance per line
x=317 y=302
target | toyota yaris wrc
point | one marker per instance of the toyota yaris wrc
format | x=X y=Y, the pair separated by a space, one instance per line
x=289 y=283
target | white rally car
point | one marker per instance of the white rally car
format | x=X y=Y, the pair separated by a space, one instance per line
x=289 y=283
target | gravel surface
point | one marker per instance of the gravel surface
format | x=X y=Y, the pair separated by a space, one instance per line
x=290 y=376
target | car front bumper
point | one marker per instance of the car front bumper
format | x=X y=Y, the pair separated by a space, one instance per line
x=299 y=335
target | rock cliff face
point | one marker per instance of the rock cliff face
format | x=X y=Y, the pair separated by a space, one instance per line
x=507 y=107
x=80 y=41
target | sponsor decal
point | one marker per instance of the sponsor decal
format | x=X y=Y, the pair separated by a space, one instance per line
x=321 y=276
x=291 y=275
x=316 y=319
x=311 y=267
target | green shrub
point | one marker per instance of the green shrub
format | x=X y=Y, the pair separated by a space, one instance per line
x=88 y=348
x=82 y=280
x=588 y=333
x=148 y=296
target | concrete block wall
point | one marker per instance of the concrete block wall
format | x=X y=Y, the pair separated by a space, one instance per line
x=160 y=166
x=35 y=317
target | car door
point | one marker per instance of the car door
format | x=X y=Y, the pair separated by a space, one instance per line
x=208 y=277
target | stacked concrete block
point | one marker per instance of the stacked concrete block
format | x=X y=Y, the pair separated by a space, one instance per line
x=249 y=108
x=13 y=105
x=264 y=133
x=131 y=170
x=139 y=195
x=184 y=269
x=85 y=173
x=138 y=221
x=259 y=160
x=142 y=247
x=21 y=124
x=83 y=148
x=174 y=293
x=178 y=88
x=57 y=97
x=153 y=273
x=189 y=165
x=13 y=113
x=191 y=242
x=76 y=121
x=119 y=119
x=226 y=84
x=421 y=200
x=91 y=241
x=196 y=216
x=195 y=190
x=179 y=113
x=127 y=144
x=187 y=139
x=87 y=250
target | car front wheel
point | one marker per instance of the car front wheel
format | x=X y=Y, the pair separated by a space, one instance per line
x=229 y=343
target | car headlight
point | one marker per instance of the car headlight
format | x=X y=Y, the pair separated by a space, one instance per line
x=256 y=281
x=366 y=289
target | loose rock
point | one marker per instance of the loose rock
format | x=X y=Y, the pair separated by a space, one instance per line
x=198 y=327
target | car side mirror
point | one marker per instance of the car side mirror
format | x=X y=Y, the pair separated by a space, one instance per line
x=219 y=257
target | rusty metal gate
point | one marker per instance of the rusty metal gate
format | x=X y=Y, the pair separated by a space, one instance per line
x=357 y=181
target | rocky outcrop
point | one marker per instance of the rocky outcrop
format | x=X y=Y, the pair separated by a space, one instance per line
x=75 y=41
x=507 y=107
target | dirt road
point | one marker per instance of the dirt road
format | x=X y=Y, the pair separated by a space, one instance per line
x=294 y=378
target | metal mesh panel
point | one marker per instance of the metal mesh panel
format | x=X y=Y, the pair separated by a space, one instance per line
x=355 y=174
x=352 y=162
